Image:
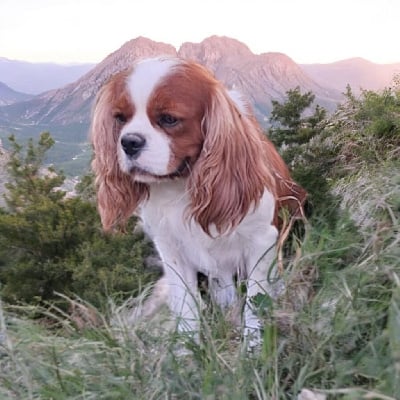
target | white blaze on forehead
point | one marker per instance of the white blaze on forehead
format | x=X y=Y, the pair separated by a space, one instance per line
x=156 y=155
x=146 y=75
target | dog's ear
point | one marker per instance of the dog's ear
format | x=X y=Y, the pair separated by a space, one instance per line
x=118 y=195
x=288 y=194
x=231 y=174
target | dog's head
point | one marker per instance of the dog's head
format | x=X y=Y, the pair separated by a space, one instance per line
x=167 y=119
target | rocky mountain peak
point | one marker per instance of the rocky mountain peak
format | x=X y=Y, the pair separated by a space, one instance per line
x=137 y=48
x=215 y=50
x=77 y=98
x=125 y=56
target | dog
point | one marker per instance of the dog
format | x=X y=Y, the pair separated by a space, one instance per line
x=174 y=146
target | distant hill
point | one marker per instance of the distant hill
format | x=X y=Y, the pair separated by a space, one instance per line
x=10 y=96
x=357 y=72
x=35 y=78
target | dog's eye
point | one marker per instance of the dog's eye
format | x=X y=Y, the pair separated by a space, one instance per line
x=167 y=120
x=119 y=117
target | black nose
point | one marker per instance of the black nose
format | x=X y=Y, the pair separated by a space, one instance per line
x=133 y=144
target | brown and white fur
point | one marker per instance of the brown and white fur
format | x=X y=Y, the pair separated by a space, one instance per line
x=172 y=145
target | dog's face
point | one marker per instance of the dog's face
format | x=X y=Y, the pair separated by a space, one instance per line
x=157 y=110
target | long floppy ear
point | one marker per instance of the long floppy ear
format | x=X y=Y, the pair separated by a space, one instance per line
x=230 y=176
x=118 y=195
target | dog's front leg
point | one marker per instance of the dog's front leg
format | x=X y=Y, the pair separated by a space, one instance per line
x=223 y=290
x=183 y=297
x=260 y=269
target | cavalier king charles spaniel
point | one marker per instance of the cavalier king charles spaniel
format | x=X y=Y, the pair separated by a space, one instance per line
x=174 y=146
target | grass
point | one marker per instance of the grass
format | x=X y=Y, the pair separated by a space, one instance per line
x=335 y=331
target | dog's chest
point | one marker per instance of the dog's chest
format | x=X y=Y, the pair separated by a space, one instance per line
x=165 y=219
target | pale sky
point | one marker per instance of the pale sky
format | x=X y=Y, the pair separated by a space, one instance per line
x=308 y=31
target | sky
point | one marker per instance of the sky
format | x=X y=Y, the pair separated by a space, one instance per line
x=308 y=31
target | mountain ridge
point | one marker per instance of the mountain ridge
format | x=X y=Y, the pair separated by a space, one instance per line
x=20 y=75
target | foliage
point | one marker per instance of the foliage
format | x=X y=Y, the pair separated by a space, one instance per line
x=28 y=186
x=366 y=130
x=363 y=132
x=294 y=133
x=380 y=113
x=51 y=242
x=292 y=125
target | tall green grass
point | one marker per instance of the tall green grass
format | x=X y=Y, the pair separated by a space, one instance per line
x=335 y=331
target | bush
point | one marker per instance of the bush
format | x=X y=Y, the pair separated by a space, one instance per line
x=362 y=133
x=54 y=243
x=290 y=124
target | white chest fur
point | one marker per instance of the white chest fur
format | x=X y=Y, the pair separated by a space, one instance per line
x=166 y=220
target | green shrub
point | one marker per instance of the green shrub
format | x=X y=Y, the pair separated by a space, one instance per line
x=54 y=243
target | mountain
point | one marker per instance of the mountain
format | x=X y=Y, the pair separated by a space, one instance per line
x=35 y=78
x=261 y=78
x=357 y=72
x=10 y=96
x=65 y=111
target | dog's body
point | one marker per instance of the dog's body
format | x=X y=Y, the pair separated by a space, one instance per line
x=172 y=145
x=186 y=249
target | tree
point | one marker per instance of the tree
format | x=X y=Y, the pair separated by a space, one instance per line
x=294 y=124
x=30 y=182
x=291 y=124
x=51 y=242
